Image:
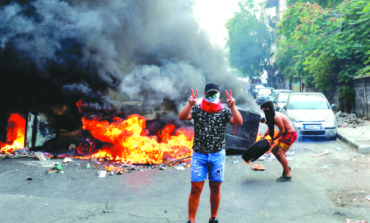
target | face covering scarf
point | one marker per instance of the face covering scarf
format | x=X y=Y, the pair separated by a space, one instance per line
x=211 y=103
x=270 y=117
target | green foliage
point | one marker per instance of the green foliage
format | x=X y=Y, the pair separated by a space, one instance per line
x=324 y=47
x=249 y=41
x=322 y=3
x=364 y=71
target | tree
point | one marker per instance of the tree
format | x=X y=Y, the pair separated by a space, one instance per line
x=325 y=47
x=322 y=3
x=250 y=41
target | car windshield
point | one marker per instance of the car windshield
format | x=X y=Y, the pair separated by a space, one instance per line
x=283 y=97
x=307 y=102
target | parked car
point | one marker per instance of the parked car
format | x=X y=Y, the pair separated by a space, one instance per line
x=276 y=91
x=311 y=115
x=263 y=95
x=254 y=88
x=280 y=99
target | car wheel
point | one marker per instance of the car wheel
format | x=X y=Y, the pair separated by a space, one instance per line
x=300 y=138
x=334 y=137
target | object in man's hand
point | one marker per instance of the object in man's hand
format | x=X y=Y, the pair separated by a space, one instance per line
x=256 y=150
x=262 y=120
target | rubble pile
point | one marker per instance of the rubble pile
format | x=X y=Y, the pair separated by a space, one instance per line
x=349 y=120
x=24 y=153
x=103 y=167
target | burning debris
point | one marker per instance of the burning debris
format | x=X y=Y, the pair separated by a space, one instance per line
x=120 y=140
x=127 y=141
x=15 y=136
x=17 y=153
x=124 y=148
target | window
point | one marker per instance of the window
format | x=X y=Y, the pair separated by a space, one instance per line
x=308 y=102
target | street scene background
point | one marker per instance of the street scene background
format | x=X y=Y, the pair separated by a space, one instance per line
x=333 y=187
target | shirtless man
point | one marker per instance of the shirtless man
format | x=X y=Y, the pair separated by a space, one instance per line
x=285 y=137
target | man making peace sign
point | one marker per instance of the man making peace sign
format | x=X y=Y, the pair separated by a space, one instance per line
x=210 y=119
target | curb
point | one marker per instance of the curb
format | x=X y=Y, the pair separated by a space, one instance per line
x=356 y=145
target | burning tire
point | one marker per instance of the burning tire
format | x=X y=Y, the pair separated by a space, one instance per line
x=256 y=150
x=83 y=148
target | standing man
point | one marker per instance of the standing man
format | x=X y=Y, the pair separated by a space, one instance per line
x=285 y=137
x=210 y=119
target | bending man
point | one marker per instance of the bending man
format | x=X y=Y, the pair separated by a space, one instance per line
x=285 y=137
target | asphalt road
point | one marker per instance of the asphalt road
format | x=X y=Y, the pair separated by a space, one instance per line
x=327 y=188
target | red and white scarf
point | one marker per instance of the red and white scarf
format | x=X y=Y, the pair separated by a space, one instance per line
x=211 y=104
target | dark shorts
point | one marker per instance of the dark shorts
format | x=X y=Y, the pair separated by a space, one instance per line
x=287 y=140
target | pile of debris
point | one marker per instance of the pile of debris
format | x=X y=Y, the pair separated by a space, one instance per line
x=21 y=153
x=349 y=120
x=104 y=167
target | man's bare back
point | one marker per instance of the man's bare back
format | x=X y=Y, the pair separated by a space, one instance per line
x=283 y=123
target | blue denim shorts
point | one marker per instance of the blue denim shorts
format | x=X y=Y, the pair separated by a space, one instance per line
x=211 y=164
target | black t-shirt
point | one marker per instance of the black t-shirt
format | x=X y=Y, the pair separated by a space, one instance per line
x=209 y=129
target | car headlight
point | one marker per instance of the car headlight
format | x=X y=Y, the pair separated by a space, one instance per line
x=331 y=121
x=297 y=125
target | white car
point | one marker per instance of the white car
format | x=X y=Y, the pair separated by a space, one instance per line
x=280 y=98
x=276 y=91
x=311 y=115
x=263 y=95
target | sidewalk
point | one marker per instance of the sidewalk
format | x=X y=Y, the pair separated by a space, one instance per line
x=354 y=133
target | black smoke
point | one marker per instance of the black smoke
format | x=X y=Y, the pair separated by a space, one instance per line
x=61 y=51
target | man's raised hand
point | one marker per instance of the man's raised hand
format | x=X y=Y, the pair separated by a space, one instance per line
x=230 y=101
x=193 y=97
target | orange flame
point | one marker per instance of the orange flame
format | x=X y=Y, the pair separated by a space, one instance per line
x=267 y=137
x=15 y=134
x=79 y=104
x=128 y=143
x=259 y=136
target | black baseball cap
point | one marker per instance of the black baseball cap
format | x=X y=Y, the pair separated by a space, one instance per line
x=211 y=87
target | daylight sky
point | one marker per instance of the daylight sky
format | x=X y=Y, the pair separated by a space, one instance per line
x=213 y=15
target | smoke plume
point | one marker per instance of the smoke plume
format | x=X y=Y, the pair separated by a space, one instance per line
x=65 y=50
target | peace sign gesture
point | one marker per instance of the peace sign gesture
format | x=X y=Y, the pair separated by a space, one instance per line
x=230 y=101
x=193 y=97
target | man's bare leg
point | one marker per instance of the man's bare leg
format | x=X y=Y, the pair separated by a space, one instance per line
x=215 y=197
x=196 y=190
x=284 y=162
x=280 y=156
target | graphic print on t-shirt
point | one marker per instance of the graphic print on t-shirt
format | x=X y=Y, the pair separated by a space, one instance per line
x=209 y=129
